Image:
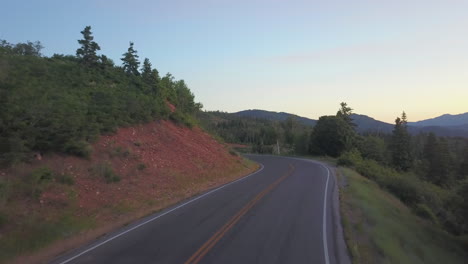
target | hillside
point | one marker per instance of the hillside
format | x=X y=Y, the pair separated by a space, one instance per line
x=63 y=103
x=368 y=124
x=131 y=173
x=277 y=116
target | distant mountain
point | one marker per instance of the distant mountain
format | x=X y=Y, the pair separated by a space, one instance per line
x=368 y=124
x=363 y=122
x=443 y=121
x=278 y=116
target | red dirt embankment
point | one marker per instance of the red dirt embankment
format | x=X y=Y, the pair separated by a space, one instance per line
x=134 y=172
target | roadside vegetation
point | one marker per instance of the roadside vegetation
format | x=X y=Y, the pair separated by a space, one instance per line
x=379 y=228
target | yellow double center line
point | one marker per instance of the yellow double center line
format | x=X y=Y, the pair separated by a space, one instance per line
x=208 y=245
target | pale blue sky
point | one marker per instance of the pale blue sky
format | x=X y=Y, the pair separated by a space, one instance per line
x=303 y=57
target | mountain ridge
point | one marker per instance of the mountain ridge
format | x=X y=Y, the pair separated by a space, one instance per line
x=367 y=124
x=443 y=120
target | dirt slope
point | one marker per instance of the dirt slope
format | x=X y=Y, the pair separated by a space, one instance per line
x=131 y=173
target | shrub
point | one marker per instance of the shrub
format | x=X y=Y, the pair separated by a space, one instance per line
x=79 y=148
x=33 y=184
x=104 y=170
x=350 y=158
x=40 y=175
x=141 y=166
x=424 y=211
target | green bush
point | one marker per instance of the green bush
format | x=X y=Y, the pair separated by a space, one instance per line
x=350 y=158
x=33 y=184
x=426 y=199
x=424 y=211
x=181 y=118
x=141 y=166
x=40 y=175
x=405 y=187
x=78 y=148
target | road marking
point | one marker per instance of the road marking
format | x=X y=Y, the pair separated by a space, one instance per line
x=325 y=243
x=211 y=242
x=158 y=216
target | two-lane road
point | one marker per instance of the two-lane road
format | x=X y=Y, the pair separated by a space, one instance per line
x=280 y=214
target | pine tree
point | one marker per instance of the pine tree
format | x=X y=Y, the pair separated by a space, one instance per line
x=150 y=76
x=400 y=145
x=146 y=68
x=130 y=61
x=437 y=158
x=87 y=52
x=345 y=113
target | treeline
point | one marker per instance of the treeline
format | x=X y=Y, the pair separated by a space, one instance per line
x=428 y=173
x=63 y=102
x=263 y=135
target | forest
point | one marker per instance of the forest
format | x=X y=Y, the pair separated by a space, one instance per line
x=63 y=102
x=428 y=173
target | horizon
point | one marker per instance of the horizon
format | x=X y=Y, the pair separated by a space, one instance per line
x=301 y=57
x=409 y=121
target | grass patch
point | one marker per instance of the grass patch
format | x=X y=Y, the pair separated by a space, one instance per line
x=33 y=233
x=379 y=228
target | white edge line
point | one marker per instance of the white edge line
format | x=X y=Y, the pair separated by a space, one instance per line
x=158 y=216
x=325 y=243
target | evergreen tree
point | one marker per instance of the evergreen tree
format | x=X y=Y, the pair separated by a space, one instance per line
x=400 y=144
x=331 y=136
x=437 y=160
x=150 y=76
x=130 y=61
x=146 y=69
x=463 y=170
x=345 y=113
x=87 y=52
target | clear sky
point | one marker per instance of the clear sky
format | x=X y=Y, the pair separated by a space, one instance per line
x=297 y=56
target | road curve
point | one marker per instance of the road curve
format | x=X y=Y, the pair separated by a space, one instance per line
x=280 y=214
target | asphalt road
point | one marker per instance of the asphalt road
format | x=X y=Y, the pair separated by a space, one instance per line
x=280 y=214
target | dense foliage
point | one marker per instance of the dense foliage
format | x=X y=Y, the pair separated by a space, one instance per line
x=63 y=102
x=265 y=136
